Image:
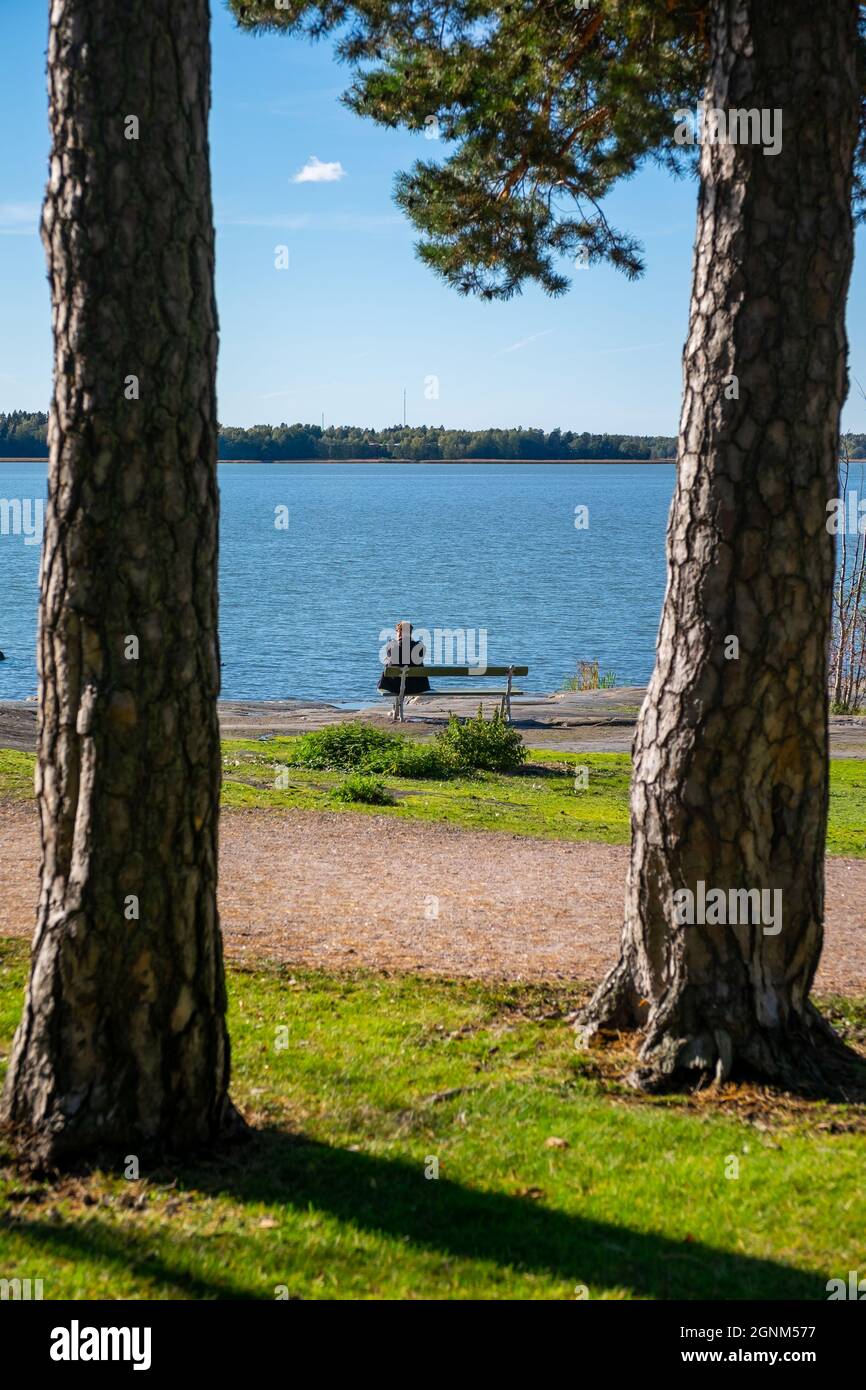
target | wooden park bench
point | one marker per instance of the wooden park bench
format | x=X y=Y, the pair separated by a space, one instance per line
x=402 y=672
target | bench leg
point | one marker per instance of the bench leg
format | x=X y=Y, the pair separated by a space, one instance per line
x=402 y=695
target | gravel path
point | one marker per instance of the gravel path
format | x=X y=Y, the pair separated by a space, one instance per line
x=341 y=890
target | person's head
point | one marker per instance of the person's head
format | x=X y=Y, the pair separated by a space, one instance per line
x=404 y=640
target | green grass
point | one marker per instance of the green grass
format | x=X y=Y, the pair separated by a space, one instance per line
x=16 y=774
x=379 y=1076
x=846 y=832
x=540 y=799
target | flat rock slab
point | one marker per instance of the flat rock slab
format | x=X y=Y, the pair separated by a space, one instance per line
x=597 y=721
x=18 y=724
x=339 y=891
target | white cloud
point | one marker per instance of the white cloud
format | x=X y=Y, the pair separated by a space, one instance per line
x=315 y=171
x=522 y=343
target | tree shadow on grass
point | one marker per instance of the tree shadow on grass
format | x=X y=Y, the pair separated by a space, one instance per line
x=131 y=1252
x=392 y=1197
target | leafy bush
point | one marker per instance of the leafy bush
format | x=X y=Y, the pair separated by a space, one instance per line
x=463 y=746
x=424 y=760
x=360 y=748
x=350 y=747
x=481 y=745
x=360 y=787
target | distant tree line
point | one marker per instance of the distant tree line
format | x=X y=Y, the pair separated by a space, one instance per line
x=23 y=435
x=434 y=442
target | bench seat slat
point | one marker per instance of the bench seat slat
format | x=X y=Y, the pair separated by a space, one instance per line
x=457 y=694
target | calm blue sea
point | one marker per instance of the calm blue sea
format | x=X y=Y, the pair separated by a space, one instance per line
x=448 y=546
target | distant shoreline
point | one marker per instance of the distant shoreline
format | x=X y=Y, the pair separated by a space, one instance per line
x=448 y=460
x=328 y=462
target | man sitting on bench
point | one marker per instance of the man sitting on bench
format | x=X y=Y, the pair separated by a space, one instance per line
x=401 y=652
x=403 y=658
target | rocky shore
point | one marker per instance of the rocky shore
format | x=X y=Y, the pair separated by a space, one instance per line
x=595 y=721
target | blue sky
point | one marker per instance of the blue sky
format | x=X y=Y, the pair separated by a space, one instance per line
x=356 y=318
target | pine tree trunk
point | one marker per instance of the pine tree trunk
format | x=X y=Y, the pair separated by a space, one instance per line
x=731 y=755
x=123 y=1039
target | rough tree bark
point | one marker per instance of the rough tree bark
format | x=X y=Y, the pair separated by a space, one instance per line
x=731 y=755
x=123 y=1038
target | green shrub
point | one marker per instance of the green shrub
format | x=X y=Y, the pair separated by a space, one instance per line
x=423 y=760
x=349 y=747
x=360 y=787
x=481 y=745
x=360 y=748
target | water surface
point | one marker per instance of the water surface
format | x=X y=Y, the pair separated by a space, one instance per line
x=448 y=546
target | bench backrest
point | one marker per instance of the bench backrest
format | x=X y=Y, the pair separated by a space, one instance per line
x=456 y=670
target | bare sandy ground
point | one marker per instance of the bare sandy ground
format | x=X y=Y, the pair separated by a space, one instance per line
x=341 y=891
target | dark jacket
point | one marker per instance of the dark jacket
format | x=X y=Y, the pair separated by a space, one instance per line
x=415 y=685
